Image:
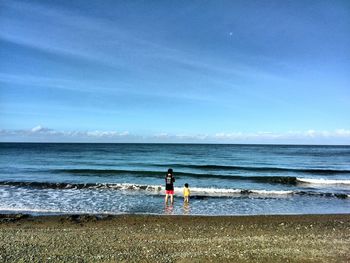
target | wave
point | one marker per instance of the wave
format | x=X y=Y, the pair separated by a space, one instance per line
x=262 y=169
x=108 y=172
x=204 y=168
x=323 y=181
x=51 y=185
x=203 y=191
x=196 y=192
x=290 y=180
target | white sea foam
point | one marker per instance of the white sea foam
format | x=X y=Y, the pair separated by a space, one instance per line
x=198 y=191
x=55 y=211
x=230 y=192
x=266 y=192
x=34 y=210
x=135 y=189
x=128 y=186
x=323 y=181
x=210 y=191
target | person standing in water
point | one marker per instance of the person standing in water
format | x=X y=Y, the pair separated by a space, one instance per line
x=169 y=186
x=187 y=193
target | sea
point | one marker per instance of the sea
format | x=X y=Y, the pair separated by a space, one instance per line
x=78 y=178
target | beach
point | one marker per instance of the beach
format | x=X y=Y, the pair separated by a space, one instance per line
x=105 y=203
x=157 y=238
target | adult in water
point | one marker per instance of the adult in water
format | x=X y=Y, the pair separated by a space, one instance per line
x=169 y=186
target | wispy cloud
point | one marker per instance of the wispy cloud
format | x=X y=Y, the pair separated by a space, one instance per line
x=104 y=41
x=39 y=81
x=66 y=33
x=147 y=68
x=43 y=134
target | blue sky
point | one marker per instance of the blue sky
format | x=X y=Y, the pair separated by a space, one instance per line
x=175 y=71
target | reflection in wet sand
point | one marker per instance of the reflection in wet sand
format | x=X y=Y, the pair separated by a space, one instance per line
x=186 y=208
x=169 y=209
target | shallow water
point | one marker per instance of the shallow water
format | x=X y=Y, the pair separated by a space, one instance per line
x=129 y=178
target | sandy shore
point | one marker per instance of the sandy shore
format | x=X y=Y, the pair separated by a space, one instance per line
x=142 y=238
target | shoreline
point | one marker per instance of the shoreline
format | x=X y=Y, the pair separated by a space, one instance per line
x=175 y=238
x=100 y=217
x=35 y=214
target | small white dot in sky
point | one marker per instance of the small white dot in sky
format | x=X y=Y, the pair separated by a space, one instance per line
x=230 y=33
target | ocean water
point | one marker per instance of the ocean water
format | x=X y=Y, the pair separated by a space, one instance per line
x=49 y=178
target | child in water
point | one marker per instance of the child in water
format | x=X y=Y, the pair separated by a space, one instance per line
x=187 y=193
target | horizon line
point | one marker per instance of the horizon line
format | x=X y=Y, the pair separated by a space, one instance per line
x=179 y=143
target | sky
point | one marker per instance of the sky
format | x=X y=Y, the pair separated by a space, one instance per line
x=218 y=71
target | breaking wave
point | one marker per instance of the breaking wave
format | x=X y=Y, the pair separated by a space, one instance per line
x=289 y=180
x=196 y=192
x=262 y=179
x=323 y=181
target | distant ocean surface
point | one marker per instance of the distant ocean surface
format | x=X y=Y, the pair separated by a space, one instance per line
x=58 y=178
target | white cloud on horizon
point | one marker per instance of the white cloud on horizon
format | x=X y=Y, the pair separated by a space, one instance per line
x=296 y=135
x=44 y=134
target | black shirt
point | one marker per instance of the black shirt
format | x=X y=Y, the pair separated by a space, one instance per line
x=169 y=182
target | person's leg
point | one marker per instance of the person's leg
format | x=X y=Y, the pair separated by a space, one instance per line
x=166 y=198
x=172 y=199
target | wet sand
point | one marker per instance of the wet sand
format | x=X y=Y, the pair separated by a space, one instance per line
x=148 y=238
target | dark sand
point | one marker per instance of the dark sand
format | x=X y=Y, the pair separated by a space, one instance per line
x=142 y=238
